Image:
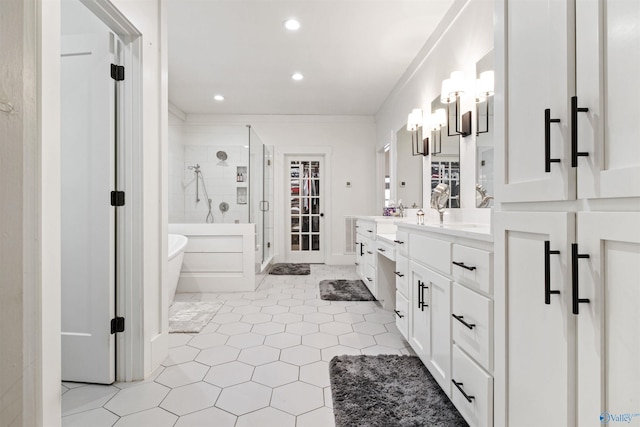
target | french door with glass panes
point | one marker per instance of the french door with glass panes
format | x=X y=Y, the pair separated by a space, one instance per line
x=305 y=206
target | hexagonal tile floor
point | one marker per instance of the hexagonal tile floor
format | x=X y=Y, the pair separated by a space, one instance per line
x=262 y=360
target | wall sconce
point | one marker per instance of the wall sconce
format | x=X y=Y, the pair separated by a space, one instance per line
x=484 y=90
x=452 y=89
x=419 y=147
x=436 y=121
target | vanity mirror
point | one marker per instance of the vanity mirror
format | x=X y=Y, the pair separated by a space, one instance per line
x=445 y=152
x=408 y=171
x=484 y=131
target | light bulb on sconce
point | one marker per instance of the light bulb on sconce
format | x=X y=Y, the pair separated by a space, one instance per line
x=452 y=89
x=485 y=87
x=419 y=147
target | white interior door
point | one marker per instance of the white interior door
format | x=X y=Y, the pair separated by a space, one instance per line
x=305 y=209
x=608 y=325
x=88 y=219
x=607 y=31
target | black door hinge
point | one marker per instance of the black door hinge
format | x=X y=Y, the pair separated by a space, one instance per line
x=117 y=325
x=117 y=72
x=117 y=198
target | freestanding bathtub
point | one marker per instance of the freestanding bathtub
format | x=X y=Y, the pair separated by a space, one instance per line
x=177 y=245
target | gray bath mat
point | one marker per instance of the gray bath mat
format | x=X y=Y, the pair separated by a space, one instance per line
x=388 y=390
x=345 y=290
x=191 y=316
x=290 y=269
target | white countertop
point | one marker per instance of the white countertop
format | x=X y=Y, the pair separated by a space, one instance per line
x=471 y=231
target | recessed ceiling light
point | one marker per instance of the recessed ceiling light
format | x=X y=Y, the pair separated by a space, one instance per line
x=292 y=24
x=297 y=76
x=218 y=98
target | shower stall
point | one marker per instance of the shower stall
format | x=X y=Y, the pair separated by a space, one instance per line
x=221 y=197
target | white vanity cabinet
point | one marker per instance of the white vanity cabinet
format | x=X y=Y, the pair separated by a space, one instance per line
x=571 y=103
x=450 y=311
x=569 y=306
x=365 y=232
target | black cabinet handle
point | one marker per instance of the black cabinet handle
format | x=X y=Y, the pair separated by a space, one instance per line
x=547 y=140
x=461 y=264
x=399 y=274
x=461 y=320
x=361 y=249
x=357 y=263
x=370 y=253
x=399 y=242
x=574 y=131
x=575 y=256
x=421 y=288
x=547 y=272
x=381 y=250
x=370 y=279
x=459 y=387
x=370 y=231
x=357 y=226
x=398 y=314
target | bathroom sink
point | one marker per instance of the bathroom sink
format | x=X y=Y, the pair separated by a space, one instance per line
x=463 y=225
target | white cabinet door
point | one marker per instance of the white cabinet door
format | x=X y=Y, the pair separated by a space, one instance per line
x=535 y=329
x=360 y=260
x=609 y=324
x=419 y=325
x=607 y=70
x=440 y=322
x=540 y=76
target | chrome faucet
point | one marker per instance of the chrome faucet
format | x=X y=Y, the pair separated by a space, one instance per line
x=401 y=209
x=439 y=199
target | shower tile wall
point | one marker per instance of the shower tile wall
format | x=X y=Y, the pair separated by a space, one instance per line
x=176 y=174
x=220 y=177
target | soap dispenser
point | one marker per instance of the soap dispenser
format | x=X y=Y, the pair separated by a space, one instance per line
x=420 y=217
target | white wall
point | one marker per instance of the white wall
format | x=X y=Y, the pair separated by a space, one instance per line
x=351 y=140
x=176 y=167
x=462 y=38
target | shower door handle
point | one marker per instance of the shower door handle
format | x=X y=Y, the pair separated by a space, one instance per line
x=264 y=203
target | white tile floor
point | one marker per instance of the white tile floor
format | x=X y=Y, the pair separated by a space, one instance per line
x=263 y=360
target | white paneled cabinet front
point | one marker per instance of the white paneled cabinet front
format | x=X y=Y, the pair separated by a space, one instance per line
x=535 y=349
x=608 y=324
x=419 y=324
x=607 y=84
x=540 y=70
x=571 y=104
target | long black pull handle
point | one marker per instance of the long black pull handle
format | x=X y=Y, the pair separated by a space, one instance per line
x=462 y=264
x=420 y=294
x=459 y=387
x=575 y=256
x=461 y=320
x=421 y=303
x=361 y=249
x=547 y=272
x=399 y=274
x=547 y=140
x=398 y=314
x=574 y=131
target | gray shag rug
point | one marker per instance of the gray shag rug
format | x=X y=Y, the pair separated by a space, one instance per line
x=191 y=316
x=388 y=390
x=345 y=290
x=289 y=269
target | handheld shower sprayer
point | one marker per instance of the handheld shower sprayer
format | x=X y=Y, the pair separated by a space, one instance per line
x=196 y=169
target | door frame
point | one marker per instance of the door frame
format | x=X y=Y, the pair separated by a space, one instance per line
x=129 y=232
x=281 y=198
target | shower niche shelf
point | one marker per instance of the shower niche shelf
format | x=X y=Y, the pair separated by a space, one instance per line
x=241 y=195
x=241 y=174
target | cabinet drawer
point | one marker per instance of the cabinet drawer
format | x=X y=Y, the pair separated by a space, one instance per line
x=402 y=275
x=434 y=253
x=402 y=243
x=370 y=252
x=402 y=314
x=366 y=228
x=477 y=409
x=477 y=312
x=386 y=249
x=369 y=278
x=473 y=267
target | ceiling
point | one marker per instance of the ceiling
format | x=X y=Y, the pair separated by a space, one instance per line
x=351 y=53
